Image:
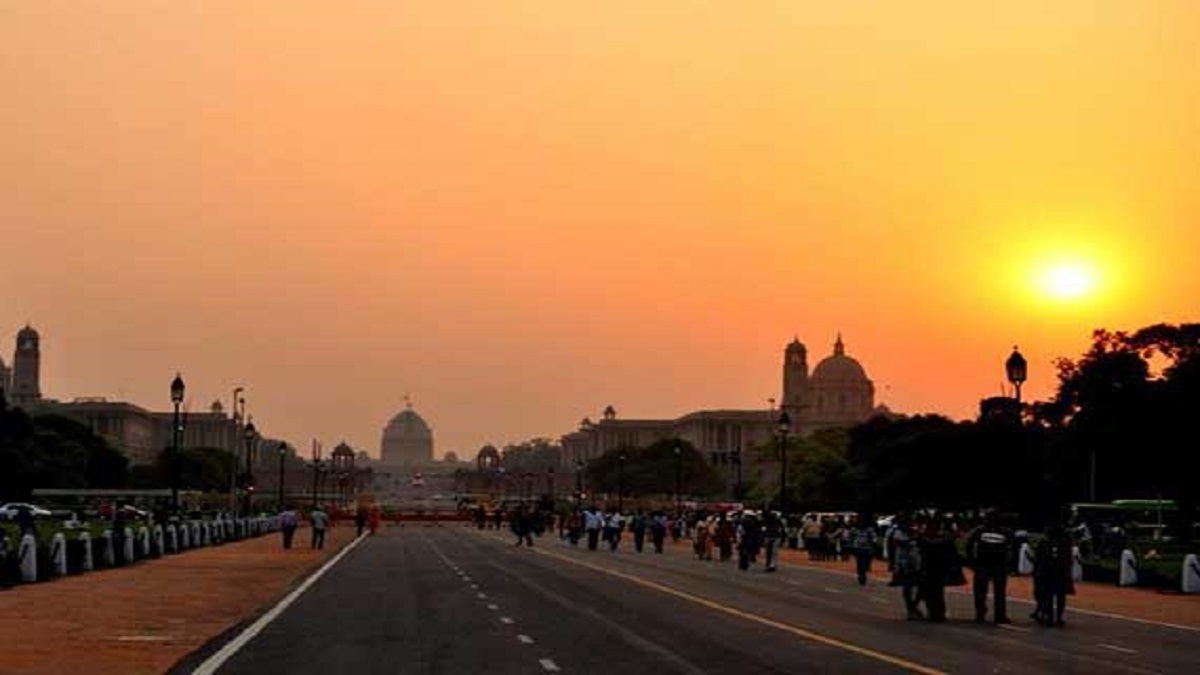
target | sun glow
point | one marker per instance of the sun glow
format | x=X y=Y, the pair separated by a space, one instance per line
x=1068 y=281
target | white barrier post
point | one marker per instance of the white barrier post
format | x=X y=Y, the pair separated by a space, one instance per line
x=88 y=563
x=1191 y=574
x=1025 y=562
x=144 y=541
x=1076 y=564
x=58 y=554
x=1129 y=569
x=27 y=554
x=159 y=541
x=185 y=536
x=107 y=554
x=129 y=559
x=197 y=539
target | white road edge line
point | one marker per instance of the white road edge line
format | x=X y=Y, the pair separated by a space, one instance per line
x=549 y=665
x=493 y=607
x=525 y=639
x=1117 y=648
x=506 y=621
x=214 y=662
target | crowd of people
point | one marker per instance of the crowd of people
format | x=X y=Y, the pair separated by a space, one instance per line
x=924 y=553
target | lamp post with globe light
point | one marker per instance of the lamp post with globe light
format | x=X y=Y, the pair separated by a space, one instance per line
x=177 y=391
x=785 y=426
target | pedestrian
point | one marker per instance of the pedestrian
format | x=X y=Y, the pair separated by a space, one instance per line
x=319 y=522
x=1052 y=575
x=637 y=525
x=940 y=567
x=614 y=524
x=522 y=525
x=723 y=537
x=989 y=554
x=862 y=545
x=593 y=523
x=374 y=519
x=773 y=538
x=288 y=522
x=750 y=537
x=360 y=519
x=905 y=563
x=658 y=531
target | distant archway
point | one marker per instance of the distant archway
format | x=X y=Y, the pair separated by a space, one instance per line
x=488 y=459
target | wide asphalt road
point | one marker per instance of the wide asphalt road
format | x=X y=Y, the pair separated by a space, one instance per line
x=456 y=600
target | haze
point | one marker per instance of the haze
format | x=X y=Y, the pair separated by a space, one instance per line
x=521 y=212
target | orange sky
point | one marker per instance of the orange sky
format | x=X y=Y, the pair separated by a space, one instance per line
x=523 y=211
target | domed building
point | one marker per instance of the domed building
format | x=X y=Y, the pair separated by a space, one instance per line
x=839 y=392
x=407 y=440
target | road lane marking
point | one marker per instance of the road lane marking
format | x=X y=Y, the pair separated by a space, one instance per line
x=525 y=639
x=493 y=607
x=548 y=665
x=748 y=616
x=1118 y=648
x=506 y=621
x=481 y=596
x=1017 y=629
x=833 y=590
x=214 y=662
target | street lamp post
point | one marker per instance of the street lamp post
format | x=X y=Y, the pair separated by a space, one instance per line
x=579 y=482
x=282 y=459
x=737 y=465
x=1016 y=369
x=177 y=391
x=678 y=479
x=620 y=482
x=785 y=425
x=235 y=418
x=250 y=435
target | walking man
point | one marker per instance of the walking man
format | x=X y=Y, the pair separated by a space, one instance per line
x=989 y=552
x=288 y=521
x=320 y=521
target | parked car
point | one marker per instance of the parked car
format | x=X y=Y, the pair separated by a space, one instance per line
x=9 y=511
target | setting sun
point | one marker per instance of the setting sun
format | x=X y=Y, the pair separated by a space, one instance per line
x=1068 y=281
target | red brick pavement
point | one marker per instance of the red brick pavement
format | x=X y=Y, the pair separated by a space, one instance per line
x=145 y=618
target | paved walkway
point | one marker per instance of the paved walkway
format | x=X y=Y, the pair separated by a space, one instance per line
x=143 y=619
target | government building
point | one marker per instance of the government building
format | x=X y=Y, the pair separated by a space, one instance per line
x=836 y=393
x=407 y=441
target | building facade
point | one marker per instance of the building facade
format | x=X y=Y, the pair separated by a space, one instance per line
x=836 y=393
x=27 y=368
x=407 y=440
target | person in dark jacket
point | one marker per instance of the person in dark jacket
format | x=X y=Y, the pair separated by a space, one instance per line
x=940 y=567
x=989 y=553
x=1052 y=575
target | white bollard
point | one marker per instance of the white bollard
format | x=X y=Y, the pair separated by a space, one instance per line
x=1129 y=569
x=197 y=535
x=88 y=563
x=159 y=541
x=144 y=541
x=1191 y=574
x=1025 y=562
x=172 y=539
x=185 y=536
x=107 y=554
x=1076 y=564
x=129 y=546
x=58 y=554
x=27 y=555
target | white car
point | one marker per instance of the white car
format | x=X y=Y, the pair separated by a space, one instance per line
x=9 y=511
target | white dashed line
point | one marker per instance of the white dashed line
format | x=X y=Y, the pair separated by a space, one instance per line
x=833 y=590
x=481 y=596
x=1018 y=629
x=548 y=665
x=474 y=587
x=1117 y=648
x=525 y=639
x=506 y=621
x=493 y=607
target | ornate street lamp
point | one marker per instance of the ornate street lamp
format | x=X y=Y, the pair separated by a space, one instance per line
x=620 y=482
x=579 y=482
x=282 y=458
x=1015 y=368
x=785 y=426
x=250 y=437
x=177 y=390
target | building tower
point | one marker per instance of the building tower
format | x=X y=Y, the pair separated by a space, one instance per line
x=5 y=381
x=795 y=377
x=26 y=372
